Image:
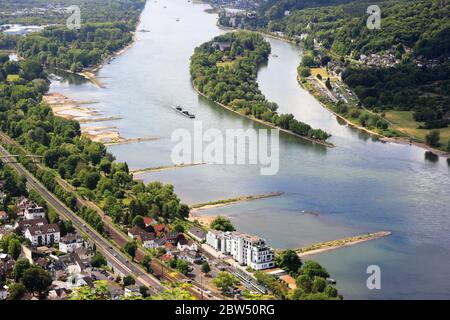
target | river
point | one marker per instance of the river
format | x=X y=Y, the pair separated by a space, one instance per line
x=357 y=187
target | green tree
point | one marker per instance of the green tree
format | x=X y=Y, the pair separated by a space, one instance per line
x=178 y=226
x=304 y=72
x=289 y=261
x=308 y=61
x=206 y=268
x=313 y=269
x=331 y=292
x=16 y=291
x=433 y=138
x=138 y=221
x=128 y=281
x=98 y=260
x=146 y=263
x=14 y=248
x=131 y=248
x=100 y=291
x=36 y=280
x=305 y=283
x=319 y=284
x=19 y=268
x=328 y=84
x=222 y=224
x=143 y=291
x=183 y=266
x=225 y=282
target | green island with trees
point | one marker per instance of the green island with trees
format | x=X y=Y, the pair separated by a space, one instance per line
x=225 y=70
x=399 y=73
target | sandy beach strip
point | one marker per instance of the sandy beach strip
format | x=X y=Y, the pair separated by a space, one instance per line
x=340 y=243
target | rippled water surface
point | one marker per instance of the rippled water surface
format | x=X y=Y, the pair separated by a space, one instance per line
x=357 y=187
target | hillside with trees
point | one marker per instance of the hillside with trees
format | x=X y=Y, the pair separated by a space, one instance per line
x=225 y=70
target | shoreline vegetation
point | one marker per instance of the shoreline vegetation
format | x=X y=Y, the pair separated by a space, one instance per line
x=340 y=243
x=382 y=138
x=224 y=70
x=290 y=29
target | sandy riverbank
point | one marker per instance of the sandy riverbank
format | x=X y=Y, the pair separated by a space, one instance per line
x=69 y=109
x=341 y=243
x=227 y=202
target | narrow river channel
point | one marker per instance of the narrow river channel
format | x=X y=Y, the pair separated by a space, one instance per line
x=357 y=187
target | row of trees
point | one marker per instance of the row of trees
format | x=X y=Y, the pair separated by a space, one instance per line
x=225 y=70
x=74 y=50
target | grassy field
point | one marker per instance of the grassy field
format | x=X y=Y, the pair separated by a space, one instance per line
x=323 y=72
x=12 y=77
x=404 y=121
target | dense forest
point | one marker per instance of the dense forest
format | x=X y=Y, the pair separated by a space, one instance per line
x=421 y=25
x=426 y=91
x=43 y=12
x=225 y=70
x=75 y=50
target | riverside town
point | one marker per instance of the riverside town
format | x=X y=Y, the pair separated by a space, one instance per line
x=224 y=158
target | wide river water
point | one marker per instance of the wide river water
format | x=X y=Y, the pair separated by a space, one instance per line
x=359 y=186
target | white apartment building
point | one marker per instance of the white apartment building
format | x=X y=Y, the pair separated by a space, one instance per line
x=34 y=212
x=70 y=243
x=246 y=249
x=41 y=235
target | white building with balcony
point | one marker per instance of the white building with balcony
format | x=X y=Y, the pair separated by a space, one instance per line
x=246 y=249
x=43 y=235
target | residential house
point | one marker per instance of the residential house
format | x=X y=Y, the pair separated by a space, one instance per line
x=191 y=256
x=3 y=292
x=197 y=233
x=85 y=253
x=3 y=216
x=148 y=239
x=5 y=229
x=6 y=268
x=132 y=291
x=23 y=225
x=21 y=204
x=160 y=229
x=32 y=254
x=47 y=234
x=148 y=222
x=172 y=237
x=135 y=232
x=34 y=212
x=70 y=243
x=187 y=245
